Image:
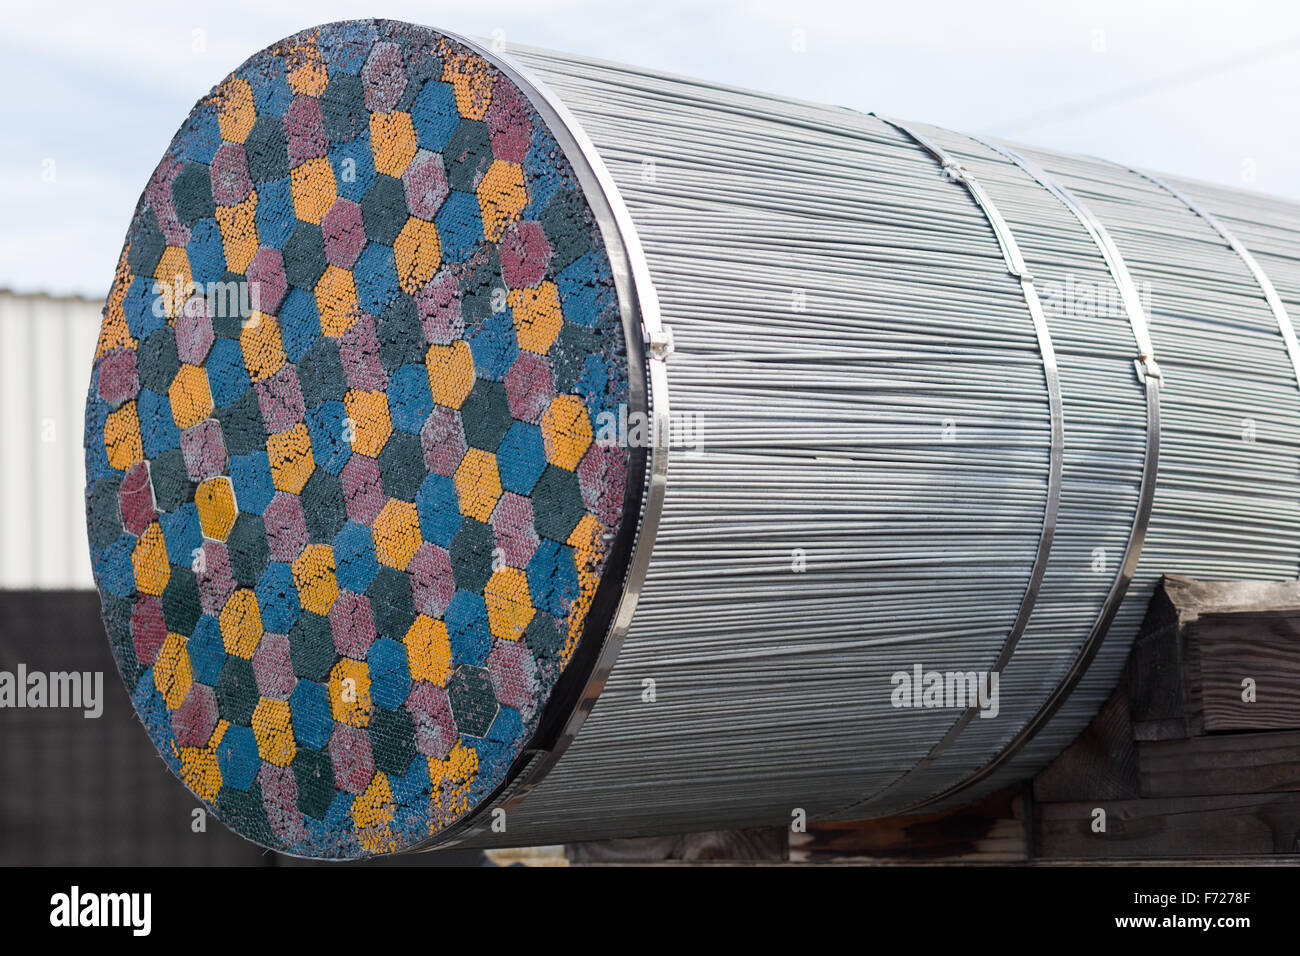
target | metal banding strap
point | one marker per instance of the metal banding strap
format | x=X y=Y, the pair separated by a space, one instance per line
x=1016 y=266
x=1261 y=277
x=649 y=345
x=1149 y=376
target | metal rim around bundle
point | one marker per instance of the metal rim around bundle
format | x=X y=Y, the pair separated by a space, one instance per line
x=341 y=618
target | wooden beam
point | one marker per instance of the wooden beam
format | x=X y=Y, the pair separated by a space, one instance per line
x=1222 y=764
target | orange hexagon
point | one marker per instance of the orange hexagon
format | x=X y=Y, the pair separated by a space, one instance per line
x=509 y=605
x=200 y=771
x=502 y=196
x=241 y=623
x=239 y=232
x=350 y=692
x=259 y=340
x=371 y=424
x=306 y=74
x=313 y=574
x=566 y=431
x=336 y=301
x=428 y=650
x=171 y=671
x=273 y=727
x=312 y=185
x=291 y=458
x=451 y=372
x=190 y=396
x=537 y=316
x=174 y=279
x=215 y=499
x=417 y=252
x=471 y=80
x=238 y=109
x=392 y=141
x=372 y=811
x=149 y=561
x=478 y=485
x=122 y=437
x=397 y=533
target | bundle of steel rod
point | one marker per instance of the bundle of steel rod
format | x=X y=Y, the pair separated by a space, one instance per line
x=612 y=453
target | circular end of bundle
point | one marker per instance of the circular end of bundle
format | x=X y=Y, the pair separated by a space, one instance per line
x=357 y=515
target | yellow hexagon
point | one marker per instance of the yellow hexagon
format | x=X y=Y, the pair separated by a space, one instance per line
x=478 y=485
x=312 y=185
x=291 y=458
x=173 y=278
x=336 y=301
x=149 y=561
x=350 y=692
x=241 y=624
x=259 y=340
x=392 y=141
x=371 y=424
x=417 y=252
x=451 y=780
x=215 y=499
x=451 y=372
x=239 y=232
x=306 y=74
x=428 y=650
x=273 y=728
x=502 y=196
x=191 y=399
x=372 y=811
x=509 y=605
x=171 y=671
x=313 y=574
x=238 y=109
x=471 y=80
x=566 y=431
x=537 y=316
x=122 y=437
x=200 y=771
x=397 y=533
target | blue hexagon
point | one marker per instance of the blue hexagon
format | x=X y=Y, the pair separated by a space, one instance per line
x=237 y=757
x=521 y=458
x=439 y=510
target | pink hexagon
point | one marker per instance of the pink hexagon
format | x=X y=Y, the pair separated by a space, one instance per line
x=354 y=764
x=438 y=302
x=118 y=379
x=530 y=387
x=363 y=489
x=267 y=271
x=148 y=629
x=231 y=183
x=194 y=336
x=525 y=253
x=280 y=799
x=443 y=439
x=508 y=120
x=286 y=526
x=602 y=476
x=512 y=525
x=344 y=232
x=216 y=582
x=352 y=624
x=426 y=184
x=359 y=353
x=135 y=499
x=383 y=78
x=195 y=719
x=435 y=726
x=432 y=583
x=272 y=668
x=514 y=675
x=304 y=128
x=204 y=448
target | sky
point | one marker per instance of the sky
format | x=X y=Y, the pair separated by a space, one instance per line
x=92 y=92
